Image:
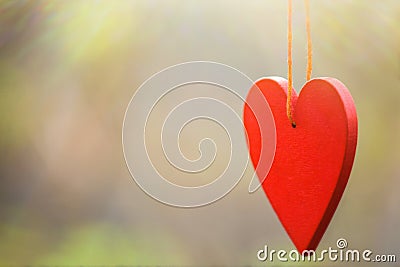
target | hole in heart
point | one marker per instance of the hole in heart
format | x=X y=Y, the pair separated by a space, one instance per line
x=293 y=125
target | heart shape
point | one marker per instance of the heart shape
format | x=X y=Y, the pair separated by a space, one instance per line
x=312 y=161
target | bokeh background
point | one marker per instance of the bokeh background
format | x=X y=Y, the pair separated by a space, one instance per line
x=67 y=72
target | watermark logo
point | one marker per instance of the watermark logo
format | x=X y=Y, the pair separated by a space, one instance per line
x=340 y=253
x=135 y=130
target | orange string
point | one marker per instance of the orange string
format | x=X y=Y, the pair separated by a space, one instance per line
x=290 y=63
x=309 y=43
x=289 y=108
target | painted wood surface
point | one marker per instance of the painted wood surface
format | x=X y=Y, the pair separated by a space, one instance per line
x=313 y=161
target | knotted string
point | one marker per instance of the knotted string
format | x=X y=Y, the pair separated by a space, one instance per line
x=289 y=108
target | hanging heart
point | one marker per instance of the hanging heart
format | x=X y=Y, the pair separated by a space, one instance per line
x=313 y=160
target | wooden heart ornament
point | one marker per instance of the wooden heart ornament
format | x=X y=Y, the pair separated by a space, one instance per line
x=313 y=160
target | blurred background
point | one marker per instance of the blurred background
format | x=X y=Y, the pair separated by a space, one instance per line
x=67 y=72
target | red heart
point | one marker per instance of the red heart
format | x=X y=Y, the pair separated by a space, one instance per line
x=312 y=161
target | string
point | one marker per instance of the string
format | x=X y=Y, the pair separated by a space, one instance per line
x=309 y=42
x=289 y=108
x=290 y=63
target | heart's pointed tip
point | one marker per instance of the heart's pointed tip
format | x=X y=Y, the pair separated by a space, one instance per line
x=254 y=185
x=302 y=248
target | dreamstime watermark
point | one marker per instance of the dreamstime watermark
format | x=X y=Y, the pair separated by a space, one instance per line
x=340 y=253
x=152 y=92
